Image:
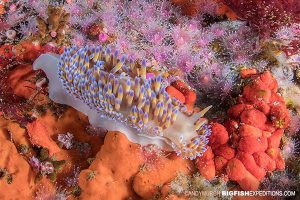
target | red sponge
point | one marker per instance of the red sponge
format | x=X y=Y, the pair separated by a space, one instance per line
x=275 y=154
x=248 y=130
x=251 y=166
x=254 y=118
x=220 y=163
x=249 y=182
x=264 y=161
x=219 y=135
x=236 y=110
x=269 y=80
x=275 y=138
x=206 y=165
x=225 y=151
x=235 y=169
x=253 y=144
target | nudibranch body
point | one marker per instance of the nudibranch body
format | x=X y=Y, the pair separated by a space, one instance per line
x=118 y=91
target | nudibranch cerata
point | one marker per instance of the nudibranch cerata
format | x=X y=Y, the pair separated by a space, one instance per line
x=115 y=93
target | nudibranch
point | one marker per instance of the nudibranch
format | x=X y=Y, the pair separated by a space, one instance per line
x=116 y=93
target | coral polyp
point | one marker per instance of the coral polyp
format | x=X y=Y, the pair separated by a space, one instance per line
x=120 y=89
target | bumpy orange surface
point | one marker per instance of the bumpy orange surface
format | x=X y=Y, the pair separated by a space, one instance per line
x=21 y=81
x=75 y=123
x=255 y=128
x=148 y=182
x=111 y=173
x=22 y=177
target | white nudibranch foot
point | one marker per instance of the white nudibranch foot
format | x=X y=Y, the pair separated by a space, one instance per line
x=114 y=93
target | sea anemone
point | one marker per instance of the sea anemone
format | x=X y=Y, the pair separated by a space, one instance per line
x=66 y=140
x=280 y=181
x=46 y=193
x=290 y=147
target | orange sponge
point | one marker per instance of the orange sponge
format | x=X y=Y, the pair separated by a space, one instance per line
x=251 y=166
x=264 y=161
x=257 y=91
x=246 y=73
x=236 y=110
x=236 y=170
x=275 y=138
x=207 y=169
x=39 y=136
x=179 y=85
x=219 y=135
x=225 y=151
x=253 y=144
x=248 y=182
x=146 y=182
x=206 y=165
x=280 y=116
x=173 y=92
x=275 y=154
x=220 y=163
x=190 y=95
x=254 y=118
x=248 y=130
x=20 y=81
x=269 y=80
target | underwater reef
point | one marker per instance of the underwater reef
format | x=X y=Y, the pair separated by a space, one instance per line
x=149 y=99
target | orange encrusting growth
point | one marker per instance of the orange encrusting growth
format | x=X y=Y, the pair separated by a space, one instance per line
x=146 y=182
x=183 y=93
x=206 y=165
x=121 y=164
x=40 y=136
x=173 y=92
x=21 y=81
x=247 y=73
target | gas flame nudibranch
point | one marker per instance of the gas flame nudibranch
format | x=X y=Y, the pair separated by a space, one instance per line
x=119 y=89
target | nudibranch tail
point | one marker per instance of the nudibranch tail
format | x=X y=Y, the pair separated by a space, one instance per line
x=117 y=88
